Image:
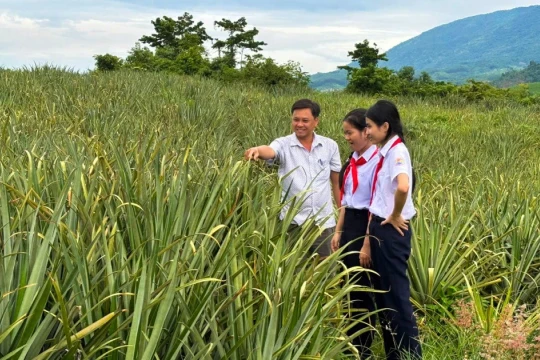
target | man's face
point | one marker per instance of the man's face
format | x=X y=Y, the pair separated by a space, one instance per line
x=303 y=123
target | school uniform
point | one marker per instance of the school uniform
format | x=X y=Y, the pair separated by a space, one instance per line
x=356 y=196
x=390 y=252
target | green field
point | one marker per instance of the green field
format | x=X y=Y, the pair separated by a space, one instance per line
x=534 y=88
x=133 y=229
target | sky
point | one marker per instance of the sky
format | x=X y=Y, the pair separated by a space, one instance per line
x=316 y=33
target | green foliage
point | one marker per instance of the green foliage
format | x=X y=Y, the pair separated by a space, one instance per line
x=333 y=80
x=460 y=333
x=530 y=74
x=368 y=78
x=406 y=74
x=265 y=71
x=239 y=40
x=480 y=47
x=108 y=62
x=534 y=88
x=193 y=62
x=141 y=58
x=129 y=220
x=477 y=90
x=366 y=55
x=176 y=36
x=371 y=79
x=179 y=48
x=128 y=227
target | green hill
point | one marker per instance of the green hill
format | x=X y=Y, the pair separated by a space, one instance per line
x=329 y=81
x=534 y=88
x=482 y=47
x=530 y=74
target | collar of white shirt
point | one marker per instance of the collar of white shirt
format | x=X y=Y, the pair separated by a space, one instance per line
x=367 y=154
x=316 y=140
x=388 y=145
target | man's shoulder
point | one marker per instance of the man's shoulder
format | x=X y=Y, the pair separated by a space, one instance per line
x=285 y=139
x=327 y=141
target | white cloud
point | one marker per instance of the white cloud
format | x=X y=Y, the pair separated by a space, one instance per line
x=70 y=43
x=10 y=22
x=318 y=41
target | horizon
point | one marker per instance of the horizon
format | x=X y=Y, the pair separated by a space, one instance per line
x=69 y=36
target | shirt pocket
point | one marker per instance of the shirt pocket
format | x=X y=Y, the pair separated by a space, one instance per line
x=322 y=166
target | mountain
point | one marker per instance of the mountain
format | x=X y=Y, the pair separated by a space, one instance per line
x=480 y=47
x=531 y=74
x=333 y=80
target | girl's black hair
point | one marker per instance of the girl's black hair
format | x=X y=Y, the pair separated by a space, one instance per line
x=386 y=111
x=357 y=119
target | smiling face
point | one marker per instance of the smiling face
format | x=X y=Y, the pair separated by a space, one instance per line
x=304 y=123
x=357 y=139
x=377 y=134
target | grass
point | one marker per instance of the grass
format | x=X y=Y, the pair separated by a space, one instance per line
x=131 y=228
x=534 y=88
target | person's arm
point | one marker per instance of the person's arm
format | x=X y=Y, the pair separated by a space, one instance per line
x=400 y=168
x=401 y=194
x=263 y=152
x=365 y=251
x=339 y=228
x=335 y=168
x=334 y=180
x=400 y=197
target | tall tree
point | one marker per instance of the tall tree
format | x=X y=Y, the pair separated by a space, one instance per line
x=266 y=72
x=140 y=58
x=108 y=62
x=425 y=78
x=369 y=78
x=176 y=36
x=406 y=73
x=239 y=40
x=366 y=55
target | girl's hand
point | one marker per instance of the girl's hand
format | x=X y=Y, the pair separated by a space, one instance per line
x=335 y=241
x=365 y=254
x=398 y=222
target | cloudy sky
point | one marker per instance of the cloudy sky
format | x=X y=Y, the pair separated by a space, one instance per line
x=316 y=33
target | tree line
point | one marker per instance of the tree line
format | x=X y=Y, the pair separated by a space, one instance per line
x=180 y=46
x=529 y=74
x=371 y=78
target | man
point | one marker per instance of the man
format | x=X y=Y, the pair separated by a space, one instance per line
x=309 y=165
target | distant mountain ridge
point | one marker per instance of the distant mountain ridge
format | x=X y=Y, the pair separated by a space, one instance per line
x=480 y=47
